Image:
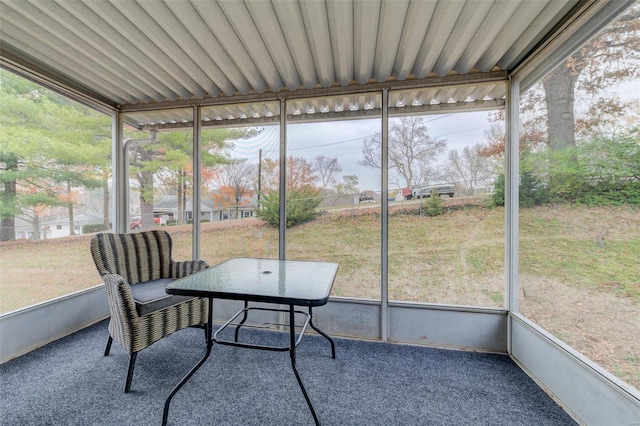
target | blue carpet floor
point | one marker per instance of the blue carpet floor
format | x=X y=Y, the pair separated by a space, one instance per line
x=70 y=382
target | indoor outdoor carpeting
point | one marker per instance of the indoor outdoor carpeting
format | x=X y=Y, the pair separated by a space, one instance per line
x=70 y=382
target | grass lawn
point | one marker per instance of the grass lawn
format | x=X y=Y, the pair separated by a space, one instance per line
x=578 y=266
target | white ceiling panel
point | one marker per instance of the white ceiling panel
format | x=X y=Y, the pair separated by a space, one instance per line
x=416 y=25
x=270 y=31
x=231 y=79
x=501 y=13
x=248 y=33
x=392 y=16
x=440 y=27
x=340 y=17
x=295 y=35
x=542 y=24
x=143 y=54
x=470 y=19
x=223 y=30
x=365 y=29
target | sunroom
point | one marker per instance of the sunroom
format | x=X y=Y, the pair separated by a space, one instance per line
x=308 y=128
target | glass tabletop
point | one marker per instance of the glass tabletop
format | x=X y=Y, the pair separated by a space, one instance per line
x=262 y=280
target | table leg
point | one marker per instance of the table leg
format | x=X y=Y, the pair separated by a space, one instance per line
x=244 y=318
x=184 y=380
x=292 y=354
x=322 y=333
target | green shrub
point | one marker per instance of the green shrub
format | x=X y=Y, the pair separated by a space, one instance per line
x=610 y=194
x=433 y=204
x=597 y=171
x=497 y=198
x=96 y=227
x=532 y=191
x=302 y=206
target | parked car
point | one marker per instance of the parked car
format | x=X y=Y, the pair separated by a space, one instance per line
x=136 y=222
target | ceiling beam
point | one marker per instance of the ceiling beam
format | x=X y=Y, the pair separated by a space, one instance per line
x=453 y=80
x=458 y=107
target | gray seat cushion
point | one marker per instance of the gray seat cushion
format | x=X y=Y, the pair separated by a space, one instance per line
x=151 y=296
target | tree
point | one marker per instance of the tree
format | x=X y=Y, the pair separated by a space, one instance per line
x=549 y=114
x=303 y=197
x=433 y=204
x=72 y=171
x=54 y=138
x=411 y=151
x=235 y=183
x=176 y=173
x=597 y=65
x=301 y=207
x=471 y=168
x=299 y=174
x=572 y=111
x=350 y=185
x=326 y=168
x=144 y=163
x=9 y=173
x=168 y=164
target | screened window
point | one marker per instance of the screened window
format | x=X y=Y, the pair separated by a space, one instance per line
x=56 y=177
x=579 y=202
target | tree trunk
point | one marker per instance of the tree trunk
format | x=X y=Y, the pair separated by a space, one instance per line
x=36 y=226
x=183 y=185
x=105 y=203
x=179 y=203
x=559 y=91
x=72 y=229
x=146 y=199
x=145 y=180
x=8 y=221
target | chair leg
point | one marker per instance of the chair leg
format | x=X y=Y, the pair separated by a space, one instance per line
x=108 y=348
x=132 y=363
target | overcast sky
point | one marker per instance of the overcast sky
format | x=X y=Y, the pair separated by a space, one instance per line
x=343 y=140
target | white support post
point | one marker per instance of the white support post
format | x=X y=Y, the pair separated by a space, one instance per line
x=120 y=201
x=384 y=236
x=197 y=163
x=283 y=178
x=512 y=197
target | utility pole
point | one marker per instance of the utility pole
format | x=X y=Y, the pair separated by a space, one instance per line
x=259 y=174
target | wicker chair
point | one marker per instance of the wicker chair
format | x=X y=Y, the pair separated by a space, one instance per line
x=136 y=268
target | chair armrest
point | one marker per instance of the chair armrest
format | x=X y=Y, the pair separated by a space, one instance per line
x=121 y=304
x=188 y=267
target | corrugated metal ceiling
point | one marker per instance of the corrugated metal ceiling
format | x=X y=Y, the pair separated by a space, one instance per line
x=132 y=53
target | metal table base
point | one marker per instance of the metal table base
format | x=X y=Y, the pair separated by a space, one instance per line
x=293 y=343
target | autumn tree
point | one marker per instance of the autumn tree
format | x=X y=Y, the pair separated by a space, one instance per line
x=606 y=60
x=412 y=151
x=234 y=184
x=269 y=170
x=549 y=113
x=300 y=174
x=601 y=61
x=572 y=113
